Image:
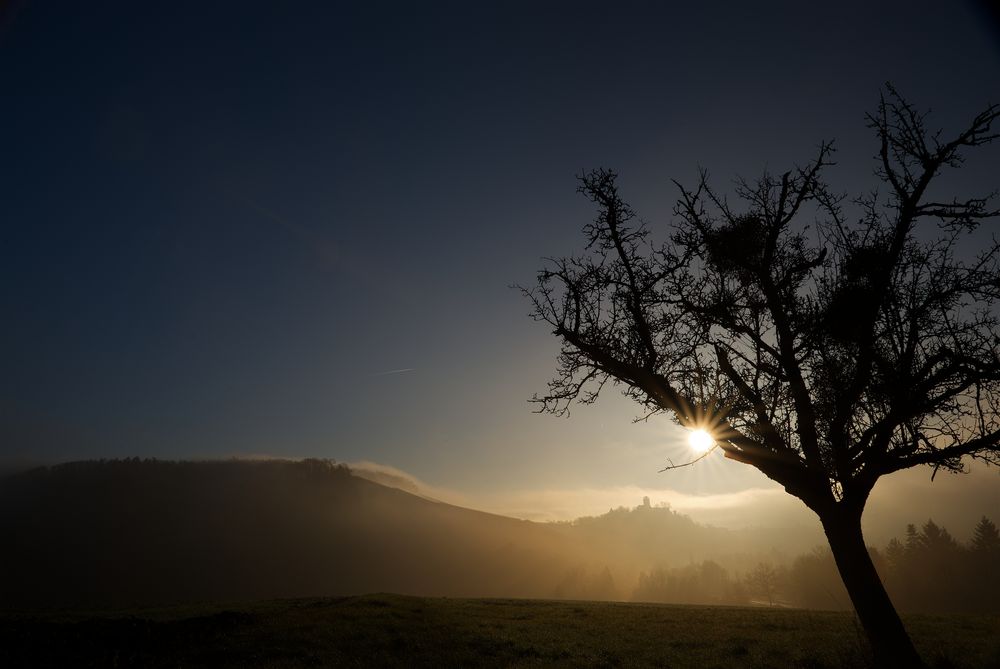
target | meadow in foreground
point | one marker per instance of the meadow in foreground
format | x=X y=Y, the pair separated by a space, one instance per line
x=394 y=630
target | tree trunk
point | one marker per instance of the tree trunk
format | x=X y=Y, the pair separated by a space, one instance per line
x=891 y=645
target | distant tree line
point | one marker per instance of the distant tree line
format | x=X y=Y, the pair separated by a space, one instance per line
x=705 y=583
x=928 y=570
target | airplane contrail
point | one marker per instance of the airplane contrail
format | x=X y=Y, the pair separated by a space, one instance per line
x=395 y=371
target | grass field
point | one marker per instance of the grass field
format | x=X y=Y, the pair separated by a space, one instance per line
x=392 y=630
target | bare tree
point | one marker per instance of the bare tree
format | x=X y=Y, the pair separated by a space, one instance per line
x=764 y=580
x=826 y=356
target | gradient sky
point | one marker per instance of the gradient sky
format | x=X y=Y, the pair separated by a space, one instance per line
x=227 y=227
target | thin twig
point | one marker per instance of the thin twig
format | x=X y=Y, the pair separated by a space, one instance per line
x=700 y=457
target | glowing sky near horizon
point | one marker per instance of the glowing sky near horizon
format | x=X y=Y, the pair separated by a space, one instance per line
x=259 y=228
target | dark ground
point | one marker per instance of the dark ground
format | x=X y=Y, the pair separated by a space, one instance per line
x=393 y=630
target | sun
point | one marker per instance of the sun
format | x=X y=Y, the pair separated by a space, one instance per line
x=700 y=441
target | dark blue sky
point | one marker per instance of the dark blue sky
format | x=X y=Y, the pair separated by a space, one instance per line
x=222 y=222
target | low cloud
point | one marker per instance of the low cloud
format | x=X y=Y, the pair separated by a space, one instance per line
x=954 y=501
x=396 y=478
x=723 y=509
x=745 y=508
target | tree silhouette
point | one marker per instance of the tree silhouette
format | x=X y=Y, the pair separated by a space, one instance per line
x=895 y=553
x=984 y=555
x=826 y=357
x=764 y=581
x=814 y=582
x=985 y=538
x=932 y=572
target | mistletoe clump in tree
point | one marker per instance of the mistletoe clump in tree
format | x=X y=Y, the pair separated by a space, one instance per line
x=826 y=356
